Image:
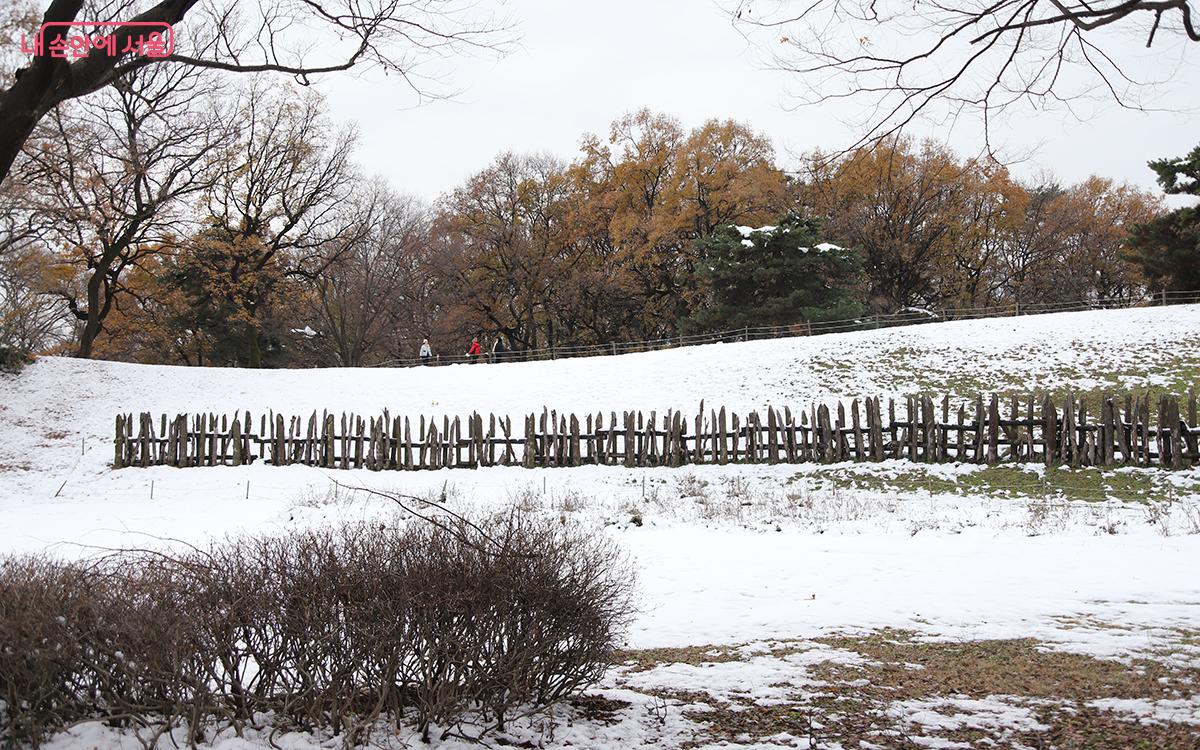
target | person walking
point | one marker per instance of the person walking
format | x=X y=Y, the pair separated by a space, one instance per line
x=498 y=349
x=426 y=352
x=475 y=350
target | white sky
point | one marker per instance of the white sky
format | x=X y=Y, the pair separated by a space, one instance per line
x=579 y=66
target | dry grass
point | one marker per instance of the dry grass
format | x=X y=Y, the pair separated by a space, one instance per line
x=597 y=708
x=641 y=660
x=977 y=669
x=854 y=705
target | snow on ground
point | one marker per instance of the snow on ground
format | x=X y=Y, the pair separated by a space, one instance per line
x=991 y=713
x=759 y=557
x=56 y=418
x=726 y=555
x=973 y=568
x=1183 y=710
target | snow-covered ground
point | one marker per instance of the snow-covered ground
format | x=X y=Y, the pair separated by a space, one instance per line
x=726 y=555
x=761 y=555
x=56 y=418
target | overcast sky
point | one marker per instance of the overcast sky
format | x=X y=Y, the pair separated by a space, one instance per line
x=579 y=66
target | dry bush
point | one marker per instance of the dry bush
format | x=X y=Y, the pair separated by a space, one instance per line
x=442 y=624
x=106 y=640
x=43 y=606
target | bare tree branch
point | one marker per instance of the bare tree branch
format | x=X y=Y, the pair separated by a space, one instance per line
x=927 y=59
x=396 y=36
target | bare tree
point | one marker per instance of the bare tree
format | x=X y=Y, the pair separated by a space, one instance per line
x=110 y=178
x=30 y=319
x=245 y=37
x=367 y=303
x=909 y=59
x=286 y=177
x=279 y=204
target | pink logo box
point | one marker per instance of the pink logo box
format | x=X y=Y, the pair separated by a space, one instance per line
x=56 y=39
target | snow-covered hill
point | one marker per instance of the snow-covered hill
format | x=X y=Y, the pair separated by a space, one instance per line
x=725 y=554
x=55 y=403
x=770 y=542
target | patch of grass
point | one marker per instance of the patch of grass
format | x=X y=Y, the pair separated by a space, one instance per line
x=1159 y=373
x=597 y=708
x=1093 y=484
x=856 y=704
x=1088 y=728
x=1187 y=636
x=641 y=660
x=904 y=668
x=1056 y=686
x=1080 y=368
x=735 y=724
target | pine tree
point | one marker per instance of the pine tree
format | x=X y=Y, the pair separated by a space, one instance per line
x=1168 y=248
x=775 y=276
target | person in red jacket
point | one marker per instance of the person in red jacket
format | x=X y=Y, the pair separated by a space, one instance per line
x=475 y=350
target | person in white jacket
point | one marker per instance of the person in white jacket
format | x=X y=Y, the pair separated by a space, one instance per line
x=426 y=352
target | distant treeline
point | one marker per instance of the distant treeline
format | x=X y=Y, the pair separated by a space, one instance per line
x=238 y=231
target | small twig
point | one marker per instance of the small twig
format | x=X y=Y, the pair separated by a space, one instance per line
x=1154 y=28
x=399 y=498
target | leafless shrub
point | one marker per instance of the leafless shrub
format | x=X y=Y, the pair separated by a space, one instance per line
x=323 y=497
x=690 y=485
x=1190 y=510
x=1158 y=514
x=438 y=625
x=572 y=501
x=739 y=490
x=528 y=500
x=42 y=605
x=1050 y=513
x=109 y=641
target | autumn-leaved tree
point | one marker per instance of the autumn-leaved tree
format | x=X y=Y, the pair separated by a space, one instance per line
x=1063 y=245
x=654 y=189
x=275 y=212
x=1094 y=219
x=628 y=180
x=901 y=205
x=962 y=234
x=545 y=254
x=31 y=319
x=506 y=249
x=112 y=178
x=991 y=207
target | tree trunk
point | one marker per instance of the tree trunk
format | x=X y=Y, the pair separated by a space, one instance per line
x=38 y=88
x=48 y=81
x=19 y=114
x=255 y=355
x=95 y=309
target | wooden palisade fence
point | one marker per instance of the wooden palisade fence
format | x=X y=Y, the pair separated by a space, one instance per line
x=1130 y=431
